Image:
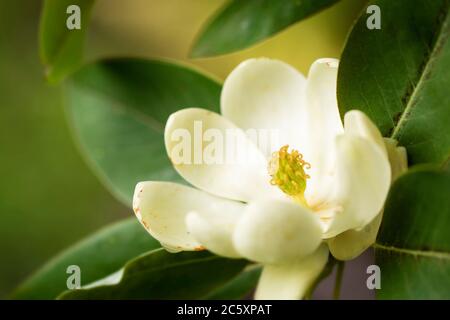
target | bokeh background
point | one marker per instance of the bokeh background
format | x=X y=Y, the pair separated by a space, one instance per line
x=49 y=198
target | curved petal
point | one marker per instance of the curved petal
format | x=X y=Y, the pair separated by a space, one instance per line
x=275 y=231
x=266 y=95
x=214 y=230
x=161 y=207
x=358 y=124
x=398 y=158
x=322 y=125
x=361 y=184
x=214 y=155
x=351 y=243
x=291 y=281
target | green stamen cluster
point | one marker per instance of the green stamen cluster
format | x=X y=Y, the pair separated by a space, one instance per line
x=288 y=173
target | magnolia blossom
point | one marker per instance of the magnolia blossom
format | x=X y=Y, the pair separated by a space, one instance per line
x=321 y=189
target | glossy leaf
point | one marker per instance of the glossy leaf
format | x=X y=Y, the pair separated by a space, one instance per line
x=118 y=109
x=61 y=48
x=400 y=77
x=413 y=246
x=162 y=275
x=241 y=24
x=97 y=256
x=239 y=287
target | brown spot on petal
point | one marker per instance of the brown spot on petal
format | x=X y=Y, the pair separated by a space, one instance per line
x=199 y=248
x=145 y=224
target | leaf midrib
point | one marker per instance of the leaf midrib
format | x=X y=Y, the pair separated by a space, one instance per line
x=425 y=71
x=413 y=252
x=165 y=267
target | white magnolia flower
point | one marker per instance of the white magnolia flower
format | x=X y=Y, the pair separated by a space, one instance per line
x=286 y=207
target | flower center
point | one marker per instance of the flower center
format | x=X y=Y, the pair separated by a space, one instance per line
x=287 y=170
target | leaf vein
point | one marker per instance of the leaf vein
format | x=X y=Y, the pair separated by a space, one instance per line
x=427 y=69
x=418 y=253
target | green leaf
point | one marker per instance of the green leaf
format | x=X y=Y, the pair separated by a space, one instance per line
x=97 y=256
x=399 y=75
x=239 y=287
x=413 y=246
x=61 y=49
x=241 y=24
x=162 y=275
x=119 y=108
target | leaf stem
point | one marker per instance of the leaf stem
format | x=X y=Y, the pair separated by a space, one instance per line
x=338 y=281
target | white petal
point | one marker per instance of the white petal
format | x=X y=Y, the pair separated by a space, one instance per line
x=214 y=231
x=277 y=231
x=397 y=157
x=235 y=170
x=291 y=281
x=265 y=94
x=358 y=124
x=361 y=184
x=161 y=207
x=351 y=243
x=322 y=125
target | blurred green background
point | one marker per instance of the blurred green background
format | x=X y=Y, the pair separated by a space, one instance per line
x=49 y=198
